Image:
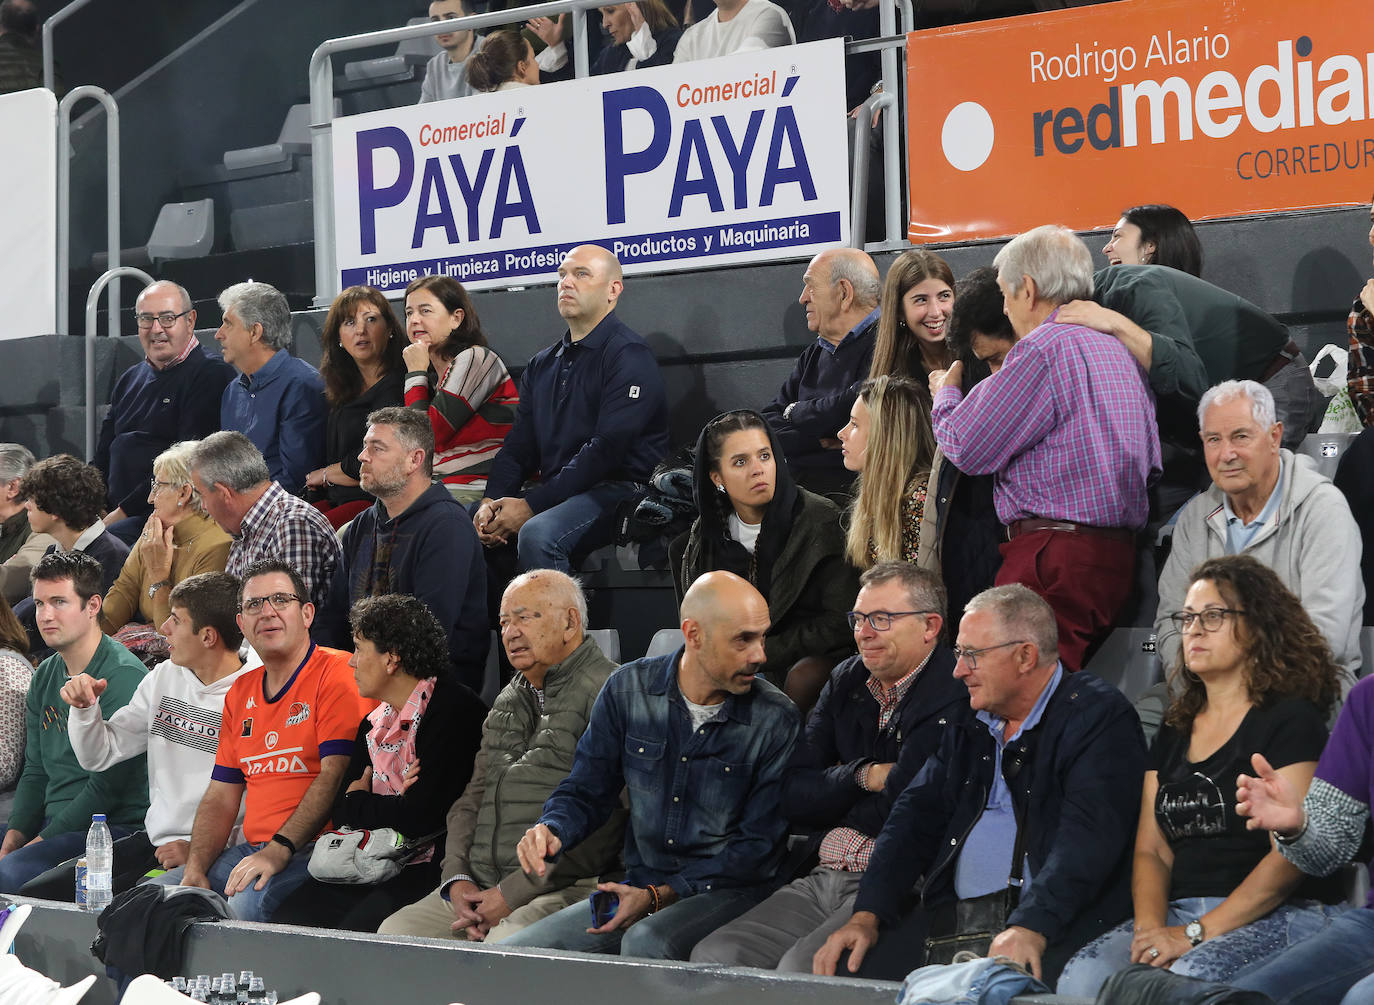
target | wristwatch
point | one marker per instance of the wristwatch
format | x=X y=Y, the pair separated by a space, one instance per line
x=1194 y=932
x=152 y=590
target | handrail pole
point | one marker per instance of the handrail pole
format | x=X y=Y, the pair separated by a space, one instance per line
x=49 y=62
x=892 y=82
x=64 y=197
x=858 y=191
x=322 y=108
x=92 y=299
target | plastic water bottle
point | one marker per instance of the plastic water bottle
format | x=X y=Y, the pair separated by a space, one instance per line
x=99 y=865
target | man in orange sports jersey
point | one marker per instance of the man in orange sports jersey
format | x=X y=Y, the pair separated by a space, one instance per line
x=286 y=739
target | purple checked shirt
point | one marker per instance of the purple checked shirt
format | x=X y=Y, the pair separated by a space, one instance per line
x=1067 y=426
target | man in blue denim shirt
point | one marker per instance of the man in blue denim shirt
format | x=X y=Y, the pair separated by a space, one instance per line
x=277 y=401
x=701 y=745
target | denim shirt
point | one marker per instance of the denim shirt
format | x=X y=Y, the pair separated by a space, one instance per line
x=705 y=805
x=282 y=409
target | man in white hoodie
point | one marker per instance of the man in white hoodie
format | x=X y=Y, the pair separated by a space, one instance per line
x=175 y=716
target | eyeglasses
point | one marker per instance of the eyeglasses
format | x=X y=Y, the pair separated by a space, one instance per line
x=1212 y=618
x=155 y=484
x=166 y=319
x=970 y=656
x=879 y=621
x=253 y=605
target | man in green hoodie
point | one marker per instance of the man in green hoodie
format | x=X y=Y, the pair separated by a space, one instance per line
x=56 y=797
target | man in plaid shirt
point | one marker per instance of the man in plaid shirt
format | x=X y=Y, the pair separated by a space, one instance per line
x=1067 y=429
x=264 y=519
x=880 y=716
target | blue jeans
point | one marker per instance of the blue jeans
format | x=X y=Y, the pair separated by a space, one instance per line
x=1220 y=959
x=669 y=934
x=250 y=904
x=548 y=540
x=1333 y=967
x=23 y=864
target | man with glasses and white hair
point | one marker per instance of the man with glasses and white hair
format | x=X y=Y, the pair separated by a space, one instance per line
x=1273 y=505
x=880 y=716
x=172 y=394
x=1022 y=824
x=278 y=400
x=287 y=736
x=1067 y=429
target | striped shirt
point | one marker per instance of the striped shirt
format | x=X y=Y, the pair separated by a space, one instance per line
x=280 y=525
x=1066 y=427
x=467 y=436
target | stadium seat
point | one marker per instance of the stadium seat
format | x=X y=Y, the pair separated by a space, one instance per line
x=1326 y=449
x=182 y=230
x=609 y=641
x=1128 y=659
x=401 y=65
x=665 y=641
x=293 y=139
x=1366 y=651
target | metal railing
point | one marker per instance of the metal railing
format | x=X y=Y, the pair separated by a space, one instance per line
x=64 y=199
x=49 y=73
x=321 y=75
x=92 y=300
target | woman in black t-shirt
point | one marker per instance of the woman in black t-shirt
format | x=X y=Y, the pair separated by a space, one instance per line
x=1213 y=899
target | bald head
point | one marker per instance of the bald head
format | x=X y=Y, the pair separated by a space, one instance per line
x=589 y=284
x=543 y=619
x=724 y=620
x=840 y=287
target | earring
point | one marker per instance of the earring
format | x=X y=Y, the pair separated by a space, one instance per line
x=720 y=489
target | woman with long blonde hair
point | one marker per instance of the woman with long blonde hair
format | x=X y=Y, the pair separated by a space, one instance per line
x=889 y=442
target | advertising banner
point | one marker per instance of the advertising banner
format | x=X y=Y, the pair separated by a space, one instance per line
x=701 y=164
x=1219 y=107
x=28 y=225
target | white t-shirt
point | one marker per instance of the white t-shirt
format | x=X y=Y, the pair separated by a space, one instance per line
x=176 y=719
x=746 y=534
x=702 y=714
x=758 y=25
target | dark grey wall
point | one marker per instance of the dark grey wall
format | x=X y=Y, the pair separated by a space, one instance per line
x=726 y=338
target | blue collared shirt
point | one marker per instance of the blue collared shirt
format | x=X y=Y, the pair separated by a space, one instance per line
x=854 y=333
x=281 y=408
x=705 y=803
x=1238 y=533
x=985 y=859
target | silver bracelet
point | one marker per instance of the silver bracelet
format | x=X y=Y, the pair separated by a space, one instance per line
x=1281 y=839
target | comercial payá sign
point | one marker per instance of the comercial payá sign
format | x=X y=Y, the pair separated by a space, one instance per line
x=703 y=164
x=1219 y=107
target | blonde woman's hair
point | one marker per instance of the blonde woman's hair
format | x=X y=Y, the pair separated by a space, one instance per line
x=174 y=465
x=901 y=445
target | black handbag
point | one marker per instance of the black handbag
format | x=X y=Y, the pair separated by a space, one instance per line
x=969 y=926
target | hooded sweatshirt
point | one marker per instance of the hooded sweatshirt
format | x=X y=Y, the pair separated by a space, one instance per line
x=430 y=551
x=174 y=718
x=798 y=563
x=1307 y=543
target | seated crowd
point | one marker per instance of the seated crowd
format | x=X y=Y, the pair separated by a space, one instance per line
x=877 y=745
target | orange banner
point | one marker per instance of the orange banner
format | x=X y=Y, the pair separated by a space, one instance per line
x=1219 y=107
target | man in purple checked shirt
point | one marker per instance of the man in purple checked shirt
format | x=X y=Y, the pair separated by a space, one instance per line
x=1067 y=427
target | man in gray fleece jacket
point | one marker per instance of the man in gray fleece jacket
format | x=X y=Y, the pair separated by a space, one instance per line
x=1272 y=505
x=527 y=748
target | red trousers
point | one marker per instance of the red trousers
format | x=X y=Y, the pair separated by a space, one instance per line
x=1085 y=577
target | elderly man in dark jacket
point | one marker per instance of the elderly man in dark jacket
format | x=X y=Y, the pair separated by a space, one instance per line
x=1052 y=767
x=881 y=715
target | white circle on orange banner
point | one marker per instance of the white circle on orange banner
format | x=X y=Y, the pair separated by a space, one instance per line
x=967 y=136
